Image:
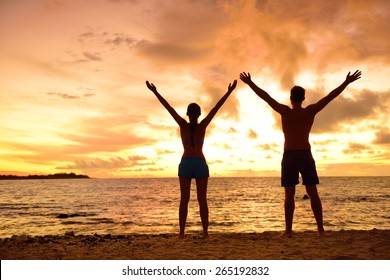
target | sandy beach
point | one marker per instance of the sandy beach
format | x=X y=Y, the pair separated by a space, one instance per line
x=336 y=245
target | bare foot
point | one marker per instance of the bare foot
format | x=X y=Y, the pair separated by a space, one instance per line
x=321 y=232
x=286 y=234
x=206 y=236
x=181 y=236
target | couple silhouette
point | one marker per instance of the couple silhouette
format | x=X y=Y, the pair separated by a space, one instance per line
x=297 y=158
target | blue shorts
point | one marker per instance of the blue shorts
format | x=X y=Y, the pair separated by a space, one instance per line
x=193 y=167
x=295 y=162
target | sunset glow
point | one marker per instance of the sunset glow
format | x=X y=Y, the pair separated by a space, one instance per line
x=72 y=84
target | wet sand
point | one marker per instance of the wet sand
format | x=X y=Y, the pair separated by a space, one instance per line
x=336 y=245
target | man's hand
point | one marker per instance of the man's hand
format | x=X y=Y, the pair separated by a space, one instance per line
x=246 y=78
x=355 y=76
x=151 y=86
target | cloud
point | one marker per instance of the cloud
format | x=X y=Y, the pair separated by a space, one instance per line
x=109 y=163
x=92 y=56
x=382 y=137
x=186 y=38
x=103 y=142
x=89 y=94
x=84 y=138
x=112 y=166
x=252 y=134
x=123 y=1
x=227 y=147
x=232 y=130
x=119 y=39
x=166 y=52
x=216 y=40
x=273 y=147
x=325 y=142
x=353 y=169
x=86 y=35
x=279 y=37
x=212 y=92
x=51 y=6
x=63 y=95
x=363 y=106
x=105 y=134
x=69 y=96
x=154 y=169
x=356 y=148
x=322 y=34
x=106 y=38
x=165 y=152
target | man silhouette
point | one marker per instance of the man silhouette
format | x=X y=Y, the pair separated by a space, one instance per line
x=297 y=158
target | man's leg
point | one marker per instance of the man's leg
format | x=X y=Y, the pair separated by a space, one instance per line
x=316 y=206
x=201 y=188
x=185 y=188
x=289 y=207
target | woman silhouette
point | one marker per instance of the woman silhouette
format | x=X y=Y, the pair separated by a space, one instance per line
x=193 y=163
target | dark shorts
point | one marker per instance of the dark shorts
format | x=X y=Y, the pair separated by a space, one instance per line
x=193 y=167
x=295 y=162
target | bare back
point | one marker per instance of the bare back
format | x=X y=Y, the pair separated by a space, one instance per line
x=199 y=134
x=296 y=125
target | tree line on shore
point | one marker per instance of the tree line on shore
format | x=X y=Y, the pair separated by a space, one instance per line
x=50 y=176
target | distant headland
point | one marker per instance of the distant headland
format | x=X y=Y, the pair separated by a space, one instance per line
x=50 y=176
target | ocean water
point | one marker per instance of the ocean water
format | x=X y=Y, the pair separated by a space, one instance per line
x=124 y=206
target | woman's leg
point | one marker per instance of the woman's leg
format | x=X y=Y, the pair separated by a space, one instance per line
x=185 y=188
x=201 y=188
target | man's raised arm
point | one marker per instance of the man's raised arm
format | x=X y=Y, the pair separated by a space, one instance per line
x=336 y=92
x=246 y=78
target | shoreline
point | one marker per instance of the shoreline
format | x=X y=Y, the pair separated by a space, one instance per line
x=336 y=245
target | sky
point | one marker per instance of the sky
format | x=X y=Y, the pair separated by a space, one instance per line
x=73 y=94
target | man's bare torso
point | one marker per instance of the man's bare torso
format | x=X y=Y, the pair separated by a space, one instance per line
x=296 y=124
